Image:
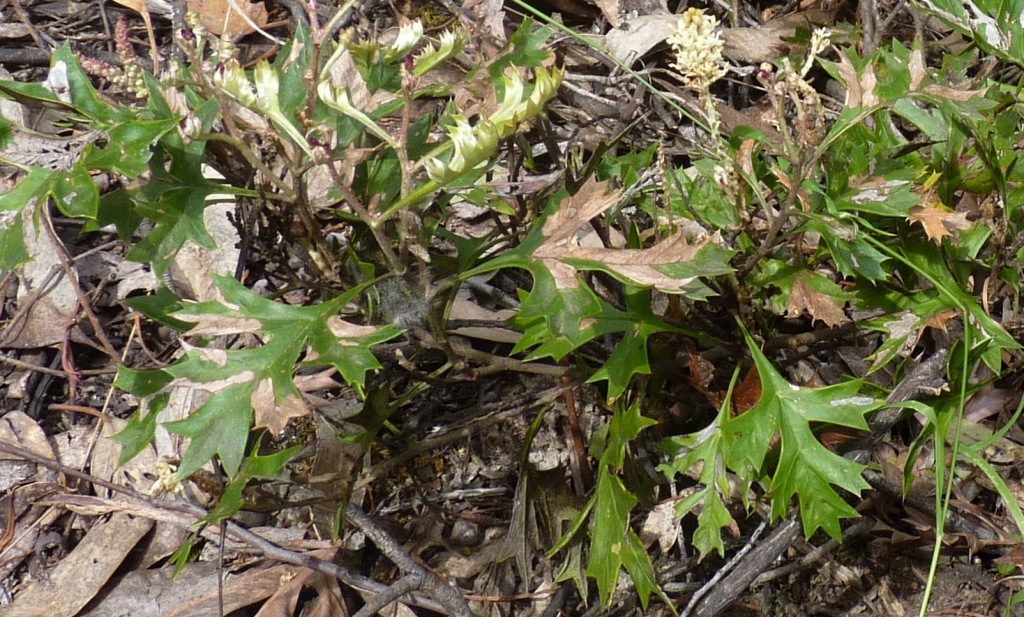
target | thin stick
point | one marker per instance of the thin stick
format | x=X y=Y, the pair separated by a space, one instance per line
x=262 y=545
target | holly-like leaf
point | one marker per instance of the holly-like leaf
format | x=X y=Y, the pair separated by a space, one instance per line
x=260 y=378
x=613 y=543
x=704 y=448
x=672 y=265
x=805 y=468
x=938 y=223
x=219 y=428
x=555 y=319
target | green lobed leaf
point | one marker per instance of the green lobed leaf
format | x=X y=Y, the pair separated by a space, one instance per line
x=139 y=431
x=12 y=240
x=220 y=427
x=254 y=466
x=292 y=63
x=852 y=255
x=83 y=95
x=608 y=539
x=805 y=468
x=129 y=146
x=705 y=448
x=555 y=319
x=174 y=199
x=703 y=197
x=141 y=383
x=33 y=94
x=638 y=564
x=628 y=359
x=994 y=25
x=625 y=426
x=116 y=208
x=524 y=48
x=6 y=133
x=613 y=543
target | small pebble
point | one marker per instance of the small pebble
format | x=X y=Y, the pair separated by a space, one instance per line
x=465 y=533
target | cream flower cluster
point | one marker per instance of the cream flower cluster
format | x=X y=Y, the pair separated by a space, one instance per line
x=698 y=44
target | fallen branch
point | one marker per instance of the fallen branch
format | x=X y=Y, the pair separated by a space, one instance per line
x=435 y=595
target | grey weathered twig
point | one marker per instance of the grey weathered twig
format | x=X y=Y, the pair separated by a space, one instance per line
x=416 y=576
x=265 y=547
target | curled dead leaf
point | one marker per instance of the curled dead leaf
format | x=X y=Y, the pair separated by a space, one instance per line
x=765 y=44
x=819 y=306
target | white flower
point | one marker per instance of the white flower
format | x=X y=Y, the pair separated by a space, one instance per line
x=698 y=46
x=819 y=43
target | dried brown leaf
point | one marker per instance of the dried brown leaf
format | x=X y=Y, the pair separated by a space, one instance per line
x=860 y=91
x=638 y=264
x=632 y=39
x=940 y=319
x=661 y=526
x=918 y=70
x=220 y=17
x=577 y=210
x=490 y=14
x=272 y=413
x=953 y=94
x=747 y=393
x=938 y=223
x=767 y=43
x=820 y=306
x=563 y=232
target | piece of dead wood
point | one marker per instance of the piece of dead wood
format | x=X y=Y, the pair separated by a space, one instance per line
x=76 y=580
x=435 y=595
x=192 y=593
